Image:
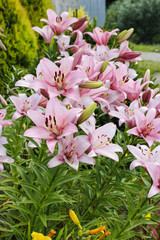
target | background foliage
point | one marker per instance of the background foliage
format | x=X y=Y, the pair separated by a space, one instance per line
x=142 y=15
x=17 y=19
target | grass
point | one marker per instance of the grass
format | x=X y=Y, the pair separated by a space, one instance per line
x=142 y=67
x=145 y=48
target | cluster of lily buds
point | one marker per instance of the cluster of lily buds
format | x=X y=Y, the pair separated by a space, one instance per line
x=83 y=78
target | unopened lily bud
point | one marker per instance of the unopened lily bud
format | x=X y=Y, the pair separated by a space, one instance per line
x=130 y=55
x=124 y=35
x=96 y=230
x=146 y=78
x=74 y=218
x=146 y=96
x=45 y=93
x=86 y=113
x=3 y=101
x=121 y=35
x=2 y=45
x=91 y=84
x=103 y=68
x=77 y=58
x=80 y=233
x=79 y=23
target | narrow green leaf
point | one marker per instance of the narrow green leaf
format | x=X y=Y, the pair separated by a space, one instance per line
x=60 y=234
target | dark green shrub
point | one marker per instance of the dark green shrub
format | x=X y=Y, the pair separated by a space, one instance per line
x=35 y=11
x=20 y=39
x=142 y=15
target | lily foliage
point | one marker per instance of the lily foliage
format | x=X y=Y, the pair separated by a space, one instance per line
x=84 y=135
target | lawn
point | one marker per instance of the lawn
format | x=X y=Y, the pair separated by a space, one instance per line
x=145 y=48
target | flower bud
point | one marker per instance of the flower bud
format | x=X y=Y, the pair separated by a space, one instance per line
x=146 y=96
x=3 y=101
x=80 y=233
x=121 y=36
x=96 y=230
x=104 y=66
x=91 y=84
x=86 y=113
x=130 y=55
x=124 y=35
x=77 y=58
x=2 y=45
x=79 y=23
x=146 y=78
x=74 y=218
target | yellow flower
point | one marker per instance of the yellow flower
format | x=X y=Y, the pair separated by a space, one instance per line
x=96 y=230
x=148 y=216
x=74 y=218
x=39 y=236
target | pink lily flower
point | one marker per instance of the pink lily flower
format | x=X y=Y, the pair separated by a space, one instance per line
x=59 y=24
x=126 y=113
x=63 y=42
x=125 y=53
x=123 y=82
x=24 y=104
x=143 y=155
x=147 y=127
x=154 y=101
x=3 y=140
x=100 y=141
x=80 y=43
x=60 y=80
x=3 y=157
x=4 y=123
x=103 y=53
x=134 y=88
x=54 y=125
x=91 y=69
x=82 y=104
x=30 y=80
x=46 y=32
x=72 y=151
x=154 y=172
x=100 y=36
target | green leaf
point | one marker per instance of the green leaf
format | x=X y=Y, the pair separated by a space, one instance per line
x=43 y=218
x=60 y=234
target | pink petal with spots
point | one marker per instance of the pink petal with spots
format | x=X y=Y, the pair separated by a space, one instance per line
x=69 y=129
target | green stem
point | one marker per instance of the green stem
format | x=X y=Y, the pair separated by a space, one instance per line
x=17 y=136
x=102 y=186
x=44 y=197
x=133 y=216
